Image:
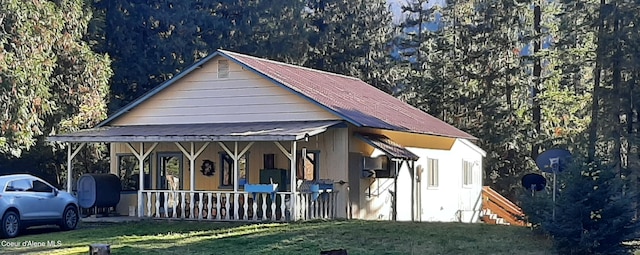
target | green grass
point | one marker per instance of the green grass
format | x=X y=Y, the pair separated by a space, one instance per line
x=357 y=237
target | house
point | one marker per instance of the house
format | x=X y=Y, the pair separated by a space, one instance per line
x=219 y=141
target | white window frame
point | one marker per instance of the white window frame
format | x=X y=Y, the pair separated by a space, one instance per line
x=433 y=173
x=467 y=173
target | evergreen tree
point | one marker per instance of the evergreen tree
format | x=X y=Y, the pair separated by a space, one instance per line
x=151 y=41
x=350 y=38
x=591 y=215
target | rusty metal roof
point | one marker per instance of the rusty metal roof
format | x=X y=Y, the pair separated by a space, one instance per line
x=253 y=131
x=388 y=146
x=350 y=98
x=356 y=101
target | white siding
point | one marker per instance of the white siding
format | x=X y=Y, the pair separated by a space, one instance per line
x=202 y=97
x=451 y=200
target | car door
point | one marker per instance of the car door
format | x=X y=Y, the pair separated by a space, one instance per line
x=49 y=204
x=23 y=198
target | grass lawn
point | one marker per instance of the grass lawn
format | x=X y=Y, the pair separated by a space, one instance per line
x=357 y=237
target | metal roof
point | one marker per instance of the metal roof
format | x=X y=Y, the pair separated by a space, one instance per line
x=252 y=131
x=349 y=98
x=388 y=146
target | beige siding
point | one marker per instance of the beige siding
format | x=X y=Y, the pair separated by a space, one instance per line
x=202 y=97
x=331 y=144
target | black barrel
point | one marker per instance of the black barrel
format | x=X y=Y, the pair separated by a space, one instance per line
x=99 y=190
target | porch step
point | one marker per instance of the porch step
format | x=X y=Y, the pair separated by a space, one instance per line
x=496 y=209
x=492 y=218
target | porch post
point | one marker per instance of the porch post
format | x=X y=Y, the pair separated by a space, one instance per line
x=141 y=179
x=69 y=171
x=192 y=155
x=141 y=155
x=70 y=156
x=192 y=167
x=294 y=196
x=395 y=192
x=236 y=167
x=413 y=190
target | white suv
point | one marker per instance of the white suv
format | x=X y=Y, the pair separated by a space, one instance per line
x=26 y=200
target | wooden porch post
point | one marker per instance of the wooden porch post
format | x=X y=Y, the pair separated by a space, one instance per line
x=235 y=156
x=140 y=179
x=192 y=168
x=69 y=171
x=192 y=155
x=294 y=196
x=395 y=192
x=236 y=167
x=141 y=155
x=70 y=156
x=292 y=187
x=413 y=189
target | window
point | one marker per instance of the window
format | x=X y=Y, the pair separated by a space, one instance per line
x=432 y=173
x=307 y=166
x=129 y=172
x=223 y=68
x=226 y=168
x=39 y=186
x=467 y=173
x=19 y=185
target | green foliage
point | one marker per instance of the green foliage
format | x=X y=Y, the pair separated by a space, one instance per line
x=350 y=38
x=50 y=80
x=594 y=212
x=150 y=42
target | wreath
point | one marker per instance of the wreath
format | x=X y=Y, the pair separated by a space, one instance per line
x=208 y=168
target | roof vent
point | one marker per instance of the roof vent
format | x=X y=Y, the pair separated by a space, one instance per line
x=223 y=68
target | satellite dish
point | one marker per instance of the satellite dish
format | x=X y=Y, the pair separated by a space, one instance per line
x=534 y=181
x=553 y=160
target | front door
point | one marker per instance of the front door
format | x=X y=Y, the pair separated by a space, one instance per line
x=170 y=177
x=170 y=171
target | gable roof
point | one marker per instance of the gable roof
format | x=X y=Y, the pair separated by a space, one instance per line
x=349 y=98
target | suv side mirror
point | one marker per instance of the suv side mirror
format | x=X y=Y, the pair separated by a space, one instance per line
x=55 y=192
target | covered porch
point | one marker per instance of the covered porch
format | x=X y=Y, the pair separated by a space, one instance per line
x=213 y=172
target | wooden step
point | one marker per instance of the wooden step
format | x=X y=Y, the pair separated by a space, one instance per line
x=487 y=219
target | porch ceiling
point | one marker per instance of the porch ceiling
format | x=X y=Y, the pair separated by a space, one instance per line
x=249 y=131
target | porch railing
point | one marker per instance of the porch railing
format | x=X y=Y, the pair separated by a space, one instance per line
x=222 y=206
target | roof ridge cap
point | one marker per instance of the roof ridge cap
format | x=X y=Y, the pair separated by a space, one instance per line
x=289 y=65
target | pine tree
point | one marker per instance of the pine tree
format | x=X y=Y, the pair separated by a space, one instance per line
x=350 y=38
x=591 y=215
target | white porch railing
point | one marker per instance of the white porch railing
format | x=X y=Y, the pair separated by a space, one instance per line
x=220 y=205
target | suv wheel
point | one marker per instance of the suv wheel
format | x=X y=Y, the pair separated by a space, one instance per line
x=10 y=224
x=69 y=218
